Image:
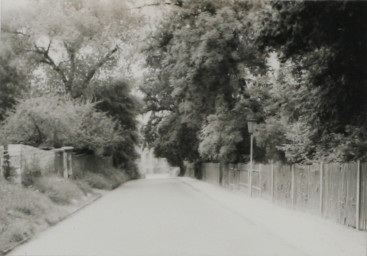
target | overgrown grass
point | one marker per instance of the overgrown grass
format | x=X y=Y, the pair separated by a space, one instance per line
x=97 y=180
x=108 y=179
x=24 y=211
x=84 y=187
x=59 y=190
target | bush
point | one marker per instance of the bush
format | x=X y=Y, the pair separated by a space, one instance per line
x=58 y=121
x=108 y=179
x=31 y=172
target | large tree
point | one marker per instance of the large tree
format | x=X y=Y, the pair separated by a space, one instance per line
x=73 y=42
x=202 y=58
x=323 y=49
x=116 y=100
x=81 y=49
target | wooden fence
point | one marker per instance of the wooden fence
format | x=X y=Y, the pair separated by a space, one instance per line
x=336 y=191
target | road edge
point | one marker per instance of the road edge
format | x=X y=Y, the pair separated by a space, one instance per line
x=98 y=196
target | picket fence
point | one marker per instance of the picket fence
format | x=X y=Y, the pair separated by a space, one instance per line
x=336 y=191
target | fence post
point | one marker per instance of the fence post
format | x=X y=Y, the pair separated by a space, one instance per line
x=1 y=162
x=358 y=199
x=272 y=181
x=321 y=188
x=251 y=165
x=292 y=185
x=260 y=185
x=70 y=161
x=65 y=164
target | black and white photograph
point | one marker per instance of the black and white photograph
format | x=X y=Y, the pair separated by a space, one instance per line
x=183 y=128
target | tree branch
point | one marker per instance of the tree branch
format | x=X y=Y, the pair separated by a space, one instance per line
x=44 y=53
x=99 y=64
x=177 y=2
x=14 y=32
x=37 y=128
x=48 y=47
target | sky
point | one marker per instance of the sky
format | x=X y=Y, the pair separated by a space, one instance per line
x=7 y=5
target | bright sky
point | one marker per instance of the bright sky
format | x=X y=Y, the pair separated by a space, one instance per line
x=13 y=4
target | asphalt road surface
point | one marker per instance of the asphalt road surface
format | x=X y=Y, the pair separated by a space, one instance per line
x=157 y=217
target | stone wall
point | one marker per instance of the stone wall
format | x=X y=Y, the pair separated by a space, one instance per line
x=26 y=160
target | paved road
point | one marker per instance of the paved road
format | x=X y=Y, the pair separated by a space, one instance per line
x=157 y=217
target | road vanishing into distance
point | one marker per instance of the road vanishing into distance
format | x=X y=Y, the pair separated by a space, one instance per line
x=162 y=217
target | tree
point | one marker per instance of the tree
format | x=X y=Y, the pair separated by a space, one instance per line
x=202 y=59
x=12 y=85
x=74 y=42
x=115 y=99
x=79 y=50
x=59 y=121
x=323 y=46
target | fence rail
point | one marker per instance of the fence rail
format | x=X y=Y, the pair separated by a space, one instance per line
x=336 y=191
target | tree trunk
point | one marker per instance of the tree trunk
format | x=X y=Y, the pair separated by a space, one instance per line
x=182 y=169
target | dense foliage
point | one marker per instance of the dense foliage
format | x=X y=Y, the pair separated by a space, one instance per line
x=297 y=67
x=73 y=42
x=200 y=62
x=116 y=101
x=323 y=45
x=71 y=51
x=12 y=85
x=56 y=121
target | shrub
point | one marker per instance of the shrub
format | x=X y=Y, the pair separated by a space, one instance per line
x=108 y=179
x=57 y=121
x=31 y=171
x=115 y=176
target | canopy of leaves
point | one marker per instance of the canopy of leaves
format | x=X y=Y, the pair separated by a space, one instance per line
x=209 y=73
x=72 y=49
x=323 y=46
x=115 y=99
x=73 y=42
x=200 y=59
x=12 y=85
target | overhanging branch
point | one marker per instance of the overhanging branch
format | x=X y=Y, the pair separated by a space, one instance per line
x=45 y=58
x=99 y=64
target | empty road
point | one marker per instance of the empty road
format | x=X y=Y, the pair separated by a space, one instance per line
x=158 y=217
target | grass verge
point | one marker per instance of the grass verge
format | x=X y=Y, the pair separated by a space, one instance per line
x=107 y=180
x=26 y=211
x=23 y=213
